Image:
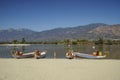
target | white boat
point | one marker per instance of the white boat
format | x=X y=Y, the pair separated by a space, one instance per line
x=88 y=55
x=25 y=55
x=29 y=55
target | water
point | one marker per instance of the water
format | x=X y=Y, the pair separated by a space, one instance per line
x=114 y=50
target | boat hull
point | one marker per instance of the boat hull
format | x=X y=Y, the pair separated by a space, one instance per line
x=29 y=55
x=89 y=56
x=25 y=55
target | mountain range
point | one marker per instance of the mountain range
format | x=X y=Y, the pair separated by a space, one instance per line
x=90 y=31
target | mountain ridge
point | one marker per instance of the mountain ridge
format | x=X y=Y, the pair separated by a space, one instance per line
x=90 y=31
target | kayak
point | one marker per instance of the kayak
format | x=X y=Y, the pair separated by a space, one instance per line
x=29 y=55
x=88 y=55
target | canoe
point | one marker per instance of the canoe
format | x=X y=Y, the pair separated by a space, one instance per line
x=88 y=56
x=29 y=55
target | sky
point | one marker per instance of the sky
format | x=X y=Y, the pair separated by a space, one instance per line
x=40 y=15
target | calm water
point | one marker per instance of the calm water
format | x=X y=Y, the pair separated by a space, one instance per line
x=114 y=50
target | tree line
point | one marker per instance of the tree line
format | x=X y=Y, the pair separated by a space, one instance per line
x=98 y=41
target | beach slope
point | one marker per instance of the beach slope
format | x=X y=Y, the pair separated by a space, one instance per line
x=59 y=69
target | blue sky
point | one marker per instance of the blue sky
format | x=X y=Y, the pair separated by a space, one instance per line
x=42 y=15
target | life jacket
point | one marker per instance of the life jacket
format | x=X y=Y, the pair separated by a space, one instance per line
x=19 y=53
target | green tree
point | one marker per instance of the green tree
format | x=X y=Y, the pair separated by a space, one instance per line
x=23 y=41
x=15 y=41
x=68 y=42
x=99 y=41
x=109 y=42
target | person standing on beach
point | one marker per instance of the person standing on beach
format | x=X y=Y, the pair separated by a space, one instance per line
x=54 y=54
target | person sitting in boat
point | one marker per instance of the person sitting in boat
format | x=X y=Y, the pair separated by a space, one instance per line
x=97 y=53
x=70 y=53
x=37 y=53
x=19 y=53
x=100 y=53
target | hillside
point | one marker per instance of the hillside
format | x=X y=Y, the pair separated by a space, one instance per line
x=11 y=34
x=112 y=31
x=90 y=31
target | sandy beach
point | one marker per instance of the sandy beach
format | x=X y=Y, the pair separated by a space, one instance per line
x=59 y=69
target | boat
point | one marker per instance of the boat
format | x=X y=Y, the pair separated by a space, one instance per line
x=90 y=56
x=25 y=55
x=29 y=55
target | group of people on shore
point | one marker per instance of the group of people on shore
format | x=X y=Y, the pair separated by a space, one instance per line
x=97 y=53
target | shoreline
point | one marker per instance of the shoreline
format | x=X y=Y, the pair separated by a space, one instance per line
x=15 y=44
x=59 y=69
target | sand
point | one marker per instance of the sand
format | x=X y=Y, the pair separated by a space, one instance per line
x=59 y=69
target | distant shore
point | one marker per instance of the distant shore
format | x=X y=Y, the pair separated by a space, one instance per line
x=59 y=69
x=15 y=44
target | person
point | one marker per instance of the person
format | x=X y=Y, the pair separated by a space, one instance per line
x=54 y=54
x=19 y=53
x=96 y=53
x=100 y=53
x=70 y=53
x=75 y=56
x=37 y=53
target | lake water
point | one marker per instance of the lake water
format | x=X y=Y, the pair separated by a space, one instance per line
x=114 y=50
